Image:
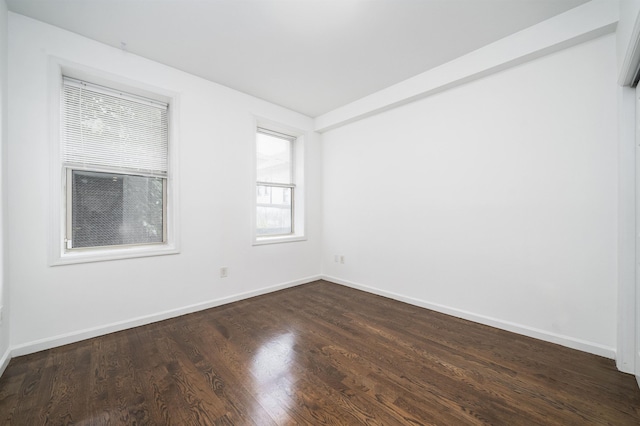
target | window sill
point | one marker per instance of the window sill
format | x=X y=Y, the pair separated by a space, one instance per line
x=106 y=254
x=259 y=241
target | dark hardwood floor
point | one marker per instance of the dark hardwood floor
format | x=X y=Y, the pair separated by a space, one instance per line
x=316 y=354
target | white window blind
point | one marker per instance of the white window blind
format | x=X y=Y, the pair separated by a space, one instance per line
x=103 y=128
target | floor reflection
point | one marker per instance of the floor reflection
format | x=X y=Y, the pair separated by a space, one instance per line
x=274 y=378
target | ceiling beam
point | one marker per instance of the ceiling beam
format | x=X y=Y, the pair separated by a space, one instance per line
x=583 y=23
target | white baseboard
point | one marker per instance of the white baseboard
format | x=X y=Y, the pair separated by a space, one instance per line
x=64 y=339
x=4 y=361
x=536 y=333
x=76 y=336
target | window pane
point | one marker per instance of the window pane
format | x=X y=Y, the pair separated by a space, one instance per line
x=114 y=209
x=273 y=210
x=273 y=159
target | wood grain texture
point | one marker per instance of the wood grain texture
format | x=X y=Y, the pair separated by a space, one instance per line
x=316 y=354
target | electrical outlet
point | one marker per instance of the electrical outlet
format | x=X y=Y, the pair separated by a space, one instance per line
x=1 y=314
x=341 y=259
x=224 y=272
x=336 y=258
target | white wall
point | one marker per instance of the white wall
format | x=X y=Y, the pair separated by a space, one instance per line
x=495 y=201
x=52 y=305
x=4 y=288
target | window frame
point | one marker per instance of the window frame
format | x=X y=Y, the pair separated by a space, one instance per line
x=297 y=164
x=59 y=215
x=292 y=181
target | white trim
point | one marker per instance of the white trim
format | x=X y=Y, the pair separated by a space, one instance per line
x=524 y=330
x=259 y=241
x=626 y=316
x=68 y=338
x=635 y=341
x=57 y=253
x=578 y=25
x=107 y=254
x=631 y=62
x=4 y=361
x=76 y=336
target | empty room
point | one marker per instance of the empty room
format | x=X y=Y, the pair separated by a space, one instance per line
x=273 y=212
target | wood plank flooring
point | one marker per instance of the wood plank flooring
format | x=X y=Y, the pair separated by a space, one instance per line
x=316 y=354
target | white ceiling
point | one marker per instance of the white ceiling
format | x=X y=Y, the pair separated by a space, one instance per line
x=311 y=56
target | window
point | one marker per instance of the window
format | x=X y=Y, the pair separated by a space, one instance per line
x=114 y=151
x=275 y=187
x=279 y=199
